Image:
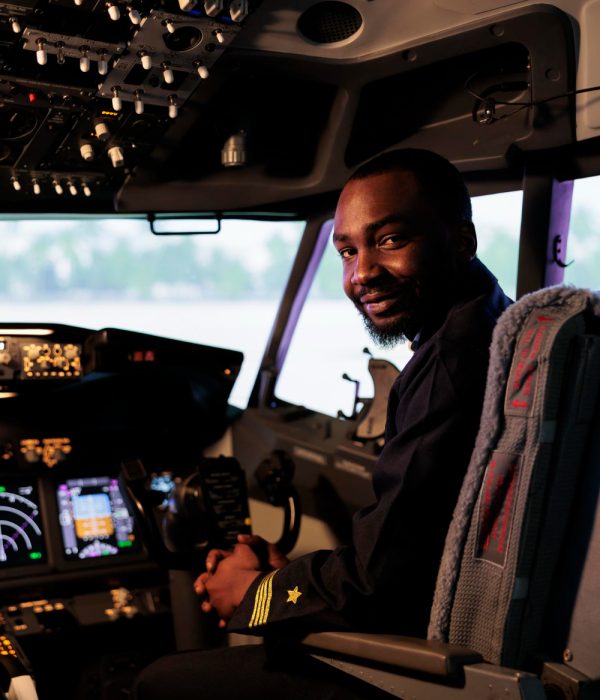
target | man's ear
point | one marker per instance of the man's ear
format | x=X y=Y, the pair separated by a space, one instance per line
x=465 y=239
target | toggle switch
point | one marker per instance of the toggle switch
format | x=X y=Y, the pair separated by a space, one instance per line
x=168 y=75
x=202 y=69
x=134 y=15
x=86 y=190
x=36 y=186
x=60 y=52
x=41 y=54
x=219 y=36
x=72 y=188
x=117 y=103
x=16 y=184
x=138 y=102
x=187 y=5
x=84 y=61
x=146 y=59
x=173 y=109
x=113 y=11
x=14 y=25
x=102 y=62
x=57 y=187
x=170 y=26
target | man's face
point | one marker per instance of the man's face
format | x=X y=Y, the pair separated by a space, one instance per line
x=397 y=254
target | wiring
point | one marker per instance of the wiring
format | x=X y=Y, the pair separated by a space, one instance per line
x=504 y=87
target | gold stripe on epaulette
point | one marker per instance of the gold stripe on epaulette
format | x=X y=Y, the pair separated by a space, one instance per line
x=262 y=601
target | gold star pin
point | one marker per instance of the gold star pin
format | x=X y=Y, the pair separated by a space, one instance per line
x=293 y=596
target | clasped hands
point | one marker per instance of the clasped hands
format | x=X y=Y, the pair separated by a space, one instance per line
x=230 y=573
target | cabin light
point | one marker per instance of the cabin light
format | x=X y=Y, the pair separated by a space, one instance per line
x=113 y=11
x=41 y=55
x=213 y=7
x=202 y=69
x=233 y=153
x=138 y=102
x=168 y=75
x=117 y=103
x=238 y=10
x=8 y=394
x=146 y=59
x=116 y=156
x=79 y=3
x=102 y=62
x=60 y=52
x=173 y=109
x=84 y=61
x=134 y=15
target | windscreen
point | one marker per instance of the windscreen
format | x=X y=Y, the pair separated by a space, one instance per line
x=221 y=289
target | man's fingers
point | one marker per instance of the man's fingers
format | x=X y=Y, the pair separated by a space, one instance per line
x=200 y=584
x=266 y=551
x=250 y=540
x=214 y=557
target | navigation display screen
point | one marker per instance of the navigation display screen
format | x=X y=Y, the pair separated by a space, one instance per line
x=21 y=538
x=94 y=519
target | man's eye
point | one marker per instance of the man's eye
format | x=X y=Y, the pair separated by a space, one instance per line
x=394 y=240
x=346 y=253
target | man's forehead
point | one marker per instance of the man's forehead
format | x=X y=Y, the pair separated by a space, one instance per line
x=377 y=196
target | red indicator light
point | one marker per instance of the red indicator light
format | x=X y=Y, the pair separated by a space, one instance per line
x=32 y=97
x=143 y=356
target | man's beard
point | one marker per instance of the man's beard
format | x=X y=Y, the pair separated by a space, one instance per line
x=386 y=337
x=398 y=330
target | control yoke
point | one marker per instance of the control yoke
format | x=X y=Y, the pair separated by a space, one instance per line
x=209 y=508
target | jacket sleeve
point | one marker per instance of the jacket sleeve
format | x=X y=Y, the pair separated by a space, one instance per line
x=384 y=580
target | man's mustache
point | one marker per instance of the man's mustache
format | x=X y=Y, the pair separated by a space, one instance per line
x=404 y=291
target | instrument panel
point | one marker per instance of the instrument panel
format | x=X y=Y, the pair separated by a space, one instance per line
x=94 y=518
x=74 y=403
x=89 y=89
x=29 y=358
x=21 y=537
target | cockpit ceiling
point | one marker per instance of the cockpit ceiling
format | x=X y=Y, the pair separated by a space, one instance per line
x=283 y=106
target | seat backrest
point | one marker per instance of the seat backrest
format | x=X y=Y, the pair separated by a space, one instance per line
x=504 y=545
x=572 y=621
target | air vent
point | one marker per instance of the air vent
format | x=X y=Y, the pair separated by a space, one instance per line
x=329 y=22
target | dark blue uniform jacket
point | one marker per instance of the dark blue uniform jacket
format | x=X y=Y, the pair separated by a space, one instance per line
x=384 y=580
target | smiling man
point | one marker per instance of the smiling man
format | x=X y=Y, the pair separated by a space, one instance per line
x=404 y=234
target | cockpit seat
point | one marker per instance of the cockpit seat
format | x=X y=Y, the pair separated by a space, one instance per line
x=516 y=611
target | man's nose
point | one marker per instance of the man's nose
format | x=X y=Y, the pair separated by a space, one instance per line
x=366 y=268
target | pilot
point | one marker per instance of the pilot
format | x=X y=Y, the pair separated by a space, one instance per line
x=407 y=245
